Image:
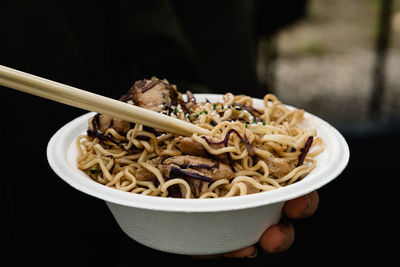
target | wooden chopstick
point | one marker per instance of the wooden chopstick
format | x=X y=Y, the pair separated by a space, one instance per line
x=79 y=98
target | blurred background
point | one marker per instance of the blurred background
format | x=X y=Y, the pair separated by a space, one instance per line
x=336 y=59
x=339 y=61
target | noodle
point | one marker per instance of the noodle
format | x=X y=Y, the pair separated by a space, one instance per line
x=249 y=149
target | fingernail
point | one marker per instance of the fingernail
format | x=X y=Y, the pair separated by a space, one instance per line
x=308 y=205
x=283 y=245
x=287 y=232
x=254 y=255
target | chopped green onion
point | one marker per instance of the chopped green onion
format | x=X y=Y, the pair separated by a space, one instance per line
x=264 y=123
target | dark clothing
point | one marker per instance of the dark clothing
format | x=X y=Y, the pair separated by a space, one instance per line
x=103 y=47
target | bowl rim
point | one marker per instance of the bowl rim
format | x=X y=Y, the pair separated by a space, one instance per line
x=57 y=150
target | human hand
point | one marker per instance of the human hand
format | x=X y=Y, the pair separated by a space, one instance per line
x=279 y=237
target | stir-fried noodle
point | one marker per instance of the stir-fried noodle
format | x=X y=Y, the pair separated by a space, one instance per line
x=250 y=149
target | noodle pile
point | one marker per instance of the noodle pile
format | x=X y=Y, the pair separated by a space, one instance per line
x=250 y=149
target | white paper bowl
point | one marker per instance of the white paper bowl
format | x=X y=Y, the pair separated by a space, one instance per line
x=196 y=226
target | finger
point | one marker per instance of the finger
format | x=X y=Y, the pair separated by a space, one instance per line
x=302 y=207
x=277 y=238
x=250 y=252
